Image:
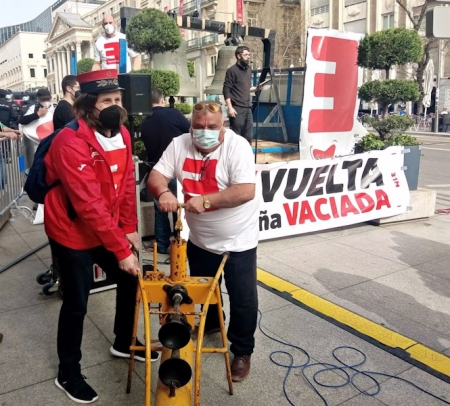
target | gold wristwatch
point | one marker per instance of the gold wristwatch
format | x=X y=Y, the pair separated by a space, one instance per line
x=206 y=202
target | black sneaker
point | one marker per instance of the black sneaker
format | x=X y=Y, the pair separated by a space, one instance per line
x=124 y=352
x=76 y=388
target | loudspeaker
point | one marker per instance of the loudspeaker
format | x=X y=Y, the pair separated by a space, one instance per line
x=137 y=96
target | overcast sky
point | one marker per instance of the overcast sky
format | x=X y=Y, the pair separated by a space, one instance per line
x=20 y=11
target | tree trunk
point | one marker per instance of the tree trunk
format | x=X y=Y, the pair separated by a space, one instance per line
x=421 y=65
x=387 y=72
x=385 y=109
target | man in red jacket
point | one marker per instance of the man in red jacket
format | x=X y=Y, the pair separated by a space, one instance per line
x=90 y=218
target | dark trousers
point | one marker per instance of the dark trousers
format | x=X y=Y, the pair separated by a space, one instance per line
x=240 y=280
x=162 y=222
x=242 y=124
x=75 y=270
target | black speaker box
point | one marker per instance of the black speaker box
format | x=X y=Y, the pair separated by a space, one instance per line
x=137 y=96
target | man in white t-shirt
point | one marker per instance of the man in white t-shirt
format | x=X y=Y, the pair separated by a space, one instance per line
x=216 y=169
x=107 y=49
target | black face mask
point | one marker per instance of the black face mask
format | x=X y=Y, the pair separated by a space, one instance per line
x=110 y=117
x=77 y=94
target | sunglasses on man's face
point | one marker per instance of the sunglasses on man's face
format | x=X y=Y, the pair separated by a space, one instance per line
x=213 y=107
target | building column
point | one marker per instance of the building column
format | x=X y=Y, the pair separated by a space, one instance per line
x=56 y=71
x=78 y=51
x=60 y=72
x=68 y=59
x=91 y=50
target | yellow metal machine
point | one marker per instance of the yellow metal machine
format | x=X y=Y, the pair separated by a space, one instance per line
x=177 y=295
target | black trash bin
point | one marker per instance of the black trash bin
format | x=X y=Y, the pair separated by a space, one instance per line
x=441 y=124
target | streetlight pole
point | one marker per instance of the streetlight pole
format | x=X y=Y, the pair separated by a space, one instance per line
x=438 y=83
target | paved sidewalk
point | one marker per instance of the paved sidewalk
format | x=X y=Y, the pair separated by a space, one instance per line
x=396 y=276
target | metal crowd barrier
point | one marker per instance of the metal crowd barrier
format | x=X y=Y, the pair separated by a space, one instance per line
x=12 y=175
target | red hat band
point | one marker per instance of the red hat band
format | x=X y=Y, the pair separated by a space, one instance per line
x=98 y=81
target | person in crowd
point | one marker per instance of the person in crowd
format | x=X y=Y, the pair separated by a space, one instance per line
x=26 y=104
x=9 y=111
x=6 y=132
x=236 y=91
x=40 y=109
x=216 y=169
x=107 y=50
x=90 y=218
x=64 y=110
x=157 y=131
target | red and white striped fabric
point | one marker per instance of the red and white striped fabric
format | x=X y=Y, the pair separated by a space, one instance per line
x=116 y=156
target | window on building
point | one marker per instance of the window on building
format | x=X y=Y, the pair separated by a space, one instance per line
x=320 y=10
x=251 y=20
x=288 y=27
x=422 y=23
x=111 y=10
x=95 y=20
x=45 y=73
x=32 y=73
x=358 y=26
x=30 y=56
x=54 y=88
x=213 y=60
x=43 y=56
x=53 y=65
x=388 y=21
x=351 y=2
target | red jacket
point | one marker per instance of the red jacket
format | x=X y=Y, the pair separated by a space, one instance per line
x=77 y=159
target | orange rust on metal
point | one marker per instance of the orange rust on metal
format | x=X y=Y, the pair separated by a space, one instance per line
x=154 y=276
x=178 y=260
x=202 y=290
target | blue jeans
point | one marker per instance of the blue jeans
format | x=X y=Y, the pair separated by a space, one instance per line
x=162 y=223
x=240 y=280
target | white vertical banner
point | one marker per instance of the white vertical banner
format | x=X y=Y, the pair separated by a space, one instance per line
x=330 y=102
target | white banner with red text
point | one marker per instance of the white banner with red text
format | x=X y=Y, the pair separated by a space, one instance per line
x=302 y=196
x=330 y=99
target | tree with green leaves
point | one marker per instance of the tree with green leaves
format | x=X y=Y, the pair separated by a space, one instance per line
x=387 y=48
x=84 y=65
x=416 y=15
x=383 y=50
x=191 y=68
x=153 y=32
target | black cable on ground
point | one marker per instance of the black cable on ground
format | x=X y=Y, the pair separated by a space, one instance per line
x=22 y=257
x=350 y=371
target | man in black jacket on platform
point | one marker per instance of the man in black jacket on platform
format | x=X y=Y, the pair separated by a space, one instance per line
x=236 y=91
x=158 y=130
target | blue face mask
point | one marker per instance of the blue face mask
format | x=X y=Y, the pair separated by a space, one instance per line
x=8 y=97
x=25 y=98
x=206 y=139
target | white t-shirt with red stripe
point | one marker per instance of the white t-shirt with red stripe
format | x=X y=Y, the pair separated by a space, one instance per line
x=107 y=51
x=116 y=156
x=219 y=230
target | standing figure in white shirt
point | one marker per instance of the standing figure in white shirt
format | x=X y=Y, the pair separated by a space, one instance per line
x=216 y=169
x=107 y=49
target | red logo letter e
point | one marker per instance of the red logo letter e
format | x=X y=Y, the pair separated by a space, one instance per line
x=342 y=86
x=112 y=53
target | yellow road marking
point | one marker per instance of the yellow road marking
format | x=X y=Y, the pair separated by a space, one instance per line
x=417 y=351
